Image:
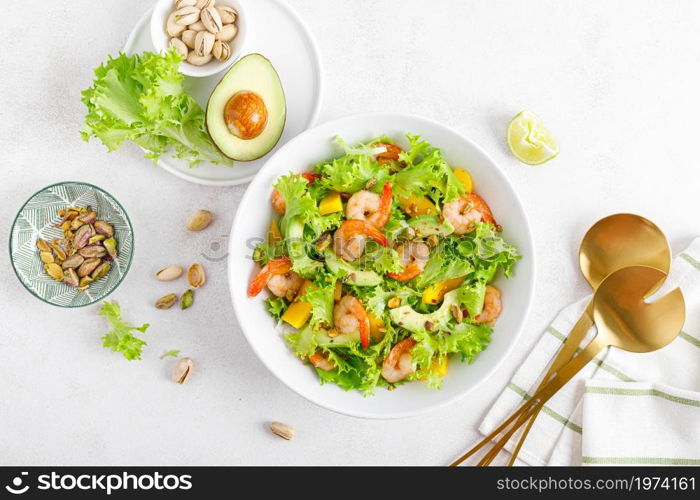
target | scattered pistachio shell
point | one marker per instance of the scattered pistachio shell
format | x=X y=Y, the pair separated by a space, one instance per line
x=54 y=270
x=43 y=246
x=73 y=261
x=88 y=266
x=70 y=277
x=200 y=220
x=104 y=228
x=227 y=33
x=196 y=276
x=169 y=273
x=282 y=430
x=167 y=301
x=110 y=245
x=183 y=370
x=101 y=271
x=187 y=299
x=46 y=257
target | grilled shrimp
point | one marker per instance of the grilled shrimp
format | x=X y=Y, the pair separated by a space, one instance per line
x=370 y=207
x=320 y=361
x=350 y=238
x=465 y=212
x=277 y=201
x=399 y=364
x=414 y=256
x=492 y=306
x=278 y=276
x=349 y=316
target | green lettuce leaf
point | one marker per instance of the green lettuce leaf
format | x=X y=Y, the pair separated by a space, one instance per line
x=276 y=307
x=120 y=338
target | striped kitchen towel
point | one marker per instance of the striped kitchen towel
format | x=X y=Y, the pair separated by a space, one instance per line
x=570 y=429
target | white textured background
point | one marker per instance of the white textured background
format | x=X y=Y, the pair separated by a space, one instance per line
x=617 y=82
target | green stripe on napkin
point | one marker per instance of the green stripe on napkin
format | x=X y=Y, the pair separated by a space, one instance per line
x=545 y=409
x=618 y=391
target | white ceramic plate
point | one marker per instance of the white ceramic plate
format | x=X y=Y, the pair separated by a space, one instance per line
x=277 y=32
x=254 y=214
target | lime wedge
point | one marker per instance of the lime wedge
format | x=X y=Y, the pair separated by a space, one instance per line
x=529 y=140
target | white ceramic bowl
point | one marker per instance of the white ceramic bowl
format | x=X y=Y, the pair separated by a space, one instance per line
x=160 y=38
x=253 y=216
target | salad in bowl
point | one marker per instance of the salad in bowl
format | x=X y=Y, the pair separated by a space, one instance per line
x=379 y=265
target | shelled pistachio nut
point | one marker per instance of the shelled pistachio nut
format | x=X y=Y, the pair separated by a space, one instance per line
x=43 y=246
x=54 y=270
x=104 y=228
x=110 y=245
x=88 y=266
x=167 y=301
x=70 y=277
x=187 y=299
x=100 y=271
x=73 y=262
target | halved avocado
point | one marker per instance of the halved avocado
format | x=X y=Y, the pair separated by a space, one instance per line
x=247 y=110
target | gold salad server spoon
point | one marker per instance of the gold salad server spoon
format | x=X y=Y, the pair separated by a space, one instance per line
x=624 y=320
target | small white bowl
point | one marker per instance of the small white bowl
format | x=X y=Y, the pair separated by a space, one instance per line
x=161 y=39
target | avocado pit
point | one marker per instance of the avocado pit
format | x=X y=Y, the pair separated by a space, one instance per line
x=245 y=115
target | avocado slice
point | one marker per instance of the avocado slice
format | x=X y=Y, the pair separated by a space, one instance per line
x=247 y=110
x=427 y=225
x=352 y=276
x=406 y=317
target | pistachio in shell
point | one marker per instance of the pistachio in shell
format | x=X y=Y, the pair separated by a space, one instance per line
x=101 y=271
x=88 y=266
x=81 y=236
x=110 y=245
x=91 y=251
x=73 y=262
x=54 y=270
x=70 y=277
x=167 y=301
x=169 y=273
x=200 y=220
x=182 y=370
x=104 y=228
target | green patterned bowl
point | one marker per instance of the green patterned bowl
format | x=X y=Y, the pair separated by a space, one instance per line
x=37 y=219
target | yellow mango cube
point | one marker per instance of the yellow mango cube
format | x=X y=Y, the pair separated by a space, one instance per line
x=376 y=327
x=436 y=292
x=465 y=179
x=297 y=314
x=417 y=205
x=330 y=204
